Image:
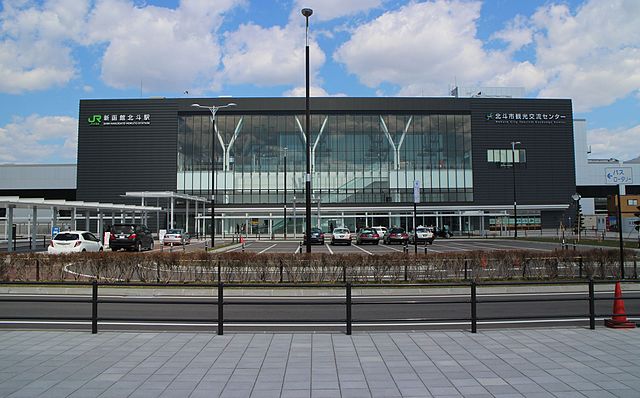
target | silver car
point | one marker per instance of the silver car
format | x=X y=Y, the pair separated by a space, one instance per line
x=176 y=237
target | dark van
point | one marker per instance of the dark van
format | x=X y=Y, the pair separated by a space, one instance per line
x=130 y=237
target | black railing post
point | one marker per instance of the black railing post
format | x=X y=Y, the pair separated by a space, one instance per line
x=466 y=269
x=344 y=274
x=158 y=272
x=281 y=273
x=220 y=309
x=348 y=305
x=219 y=271
x=580 y=266
x=635 y=268
x=592 y=306
x=30 y=243
x=474 y=314
x=406 y=273
x=94 y=307
x=37 y=270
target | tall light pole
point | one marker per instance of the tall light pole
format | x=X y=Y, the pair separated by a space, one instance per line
x=213 y=109
x=307 y=12
x=285 y=193
x=515 y=205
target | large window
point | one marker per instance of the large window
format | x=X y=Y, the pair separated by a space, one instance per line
x=356 y=158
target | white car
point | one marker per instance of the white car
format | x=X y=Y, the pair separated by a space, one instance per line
x=423 y=234
x=74 y=242
x=381 y=231
x=341 y=235
x=176 y=237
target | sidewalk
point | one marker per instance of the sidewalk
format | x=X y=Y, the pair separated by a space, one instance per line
x=525 y=362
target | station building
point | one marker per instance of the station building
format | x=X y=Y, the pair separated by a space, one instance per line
x=367 y=154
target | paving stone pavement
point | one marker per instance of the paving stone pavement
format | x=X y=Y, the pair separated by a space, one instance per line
x=508 y=363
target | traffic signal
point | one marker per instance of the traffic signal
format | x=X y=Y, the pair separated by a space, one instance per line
x=637 y=222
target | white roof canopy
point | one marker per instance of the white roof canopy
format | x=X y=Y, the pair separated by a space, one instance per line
x=164 y=194
x=16 y=201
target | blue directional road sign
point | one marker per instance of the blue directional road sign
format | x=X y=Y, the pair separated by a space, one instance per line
x=619 y=175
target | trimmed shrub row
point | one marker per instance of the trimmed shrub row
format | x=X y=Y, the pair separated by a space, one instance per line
x=201 y=267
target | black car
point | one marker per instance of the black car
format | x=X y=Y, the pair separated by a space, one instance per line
x=130 y=237
x=317 y=236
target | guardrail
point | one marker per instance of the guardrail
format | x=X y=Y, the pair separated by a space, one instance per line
x=347 y=302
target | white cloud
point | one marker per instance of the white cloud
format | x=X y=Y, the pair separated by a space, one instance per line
x=269 y=56
x=325 y=10
x=314 y=91
x=35 y=49
x=39 y=139
x=592 y=56
x=421 y=46
x=622 y=144
x=160 y=48
x=517 y=34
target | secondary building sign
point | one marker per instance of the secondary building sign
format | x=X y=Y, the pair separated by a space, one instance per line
x=120 y=119
x=525 y=118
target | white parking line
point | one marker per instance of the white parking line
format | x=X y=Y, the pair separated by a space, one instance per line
x=366 y=251
x=267 y=248
x=510 y=247
x=328 y=248
x=392 y=248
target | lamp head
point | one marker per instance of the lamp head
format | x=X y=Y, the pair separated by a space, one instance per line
x=232 y=104
x=576 y=196
x=307 y=12
x=195 y=105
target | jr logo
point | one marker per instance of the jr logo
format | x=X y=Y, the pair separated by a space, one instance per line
x=95 y=120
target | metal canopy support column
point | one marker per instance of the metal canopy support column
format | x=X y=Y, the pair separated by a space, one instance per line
x=186 y=226
x=100 y=231
x=10 y=229
x=171 y=216
x=73 y=219
x=87 y=220
x=34 y=225
x=158 y=214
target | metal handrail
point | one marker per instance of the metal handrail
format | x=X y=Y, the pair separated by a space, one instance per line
x=348 y=302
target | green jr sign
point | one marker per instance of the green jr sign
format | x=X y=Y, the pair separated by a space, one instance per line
x=95 y=120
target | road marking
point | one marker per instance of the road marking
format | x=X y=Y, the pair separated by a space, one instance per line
x=392 y=248
x=509 y=247
x=328 y=248
x=366 y=251
x=267 y=248
x=304 y=325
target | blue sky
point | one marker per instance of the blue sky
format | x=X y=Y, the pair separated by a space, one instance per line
x=55 y=52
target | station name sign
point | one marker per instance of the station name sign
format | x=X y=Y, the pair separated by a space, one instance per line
x=525 y=118
x=120 y=120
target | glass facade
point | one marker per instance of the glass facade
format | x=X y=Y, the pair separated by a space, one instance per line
x=356 y=158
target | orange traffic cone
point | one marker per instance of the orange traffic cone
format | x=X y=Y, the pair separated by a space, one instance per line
x=619 y=318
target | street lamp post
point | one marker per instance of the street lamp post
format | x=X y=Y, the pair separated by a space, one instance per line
x=213 y=109
x=515 y=205
x=285 y=193
x=307 y=12
x=576 y=198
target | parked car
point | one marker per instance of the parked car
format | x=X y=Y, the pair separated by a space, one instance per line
x=367 y=235
x=423 y=235
x=130 y=237
x=317 y=236
x=341 y=235
x=74 y=242
x=444 y=232
x=396 y=235
x=382 y=231
x=176 y=237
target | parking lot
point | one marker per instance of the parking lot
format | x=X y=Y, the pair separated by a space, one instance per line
x=439 y=246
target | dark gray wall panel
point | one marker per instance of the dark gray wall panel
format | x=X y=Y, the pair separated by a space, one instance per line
x=116 y=159
x=549 y=174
